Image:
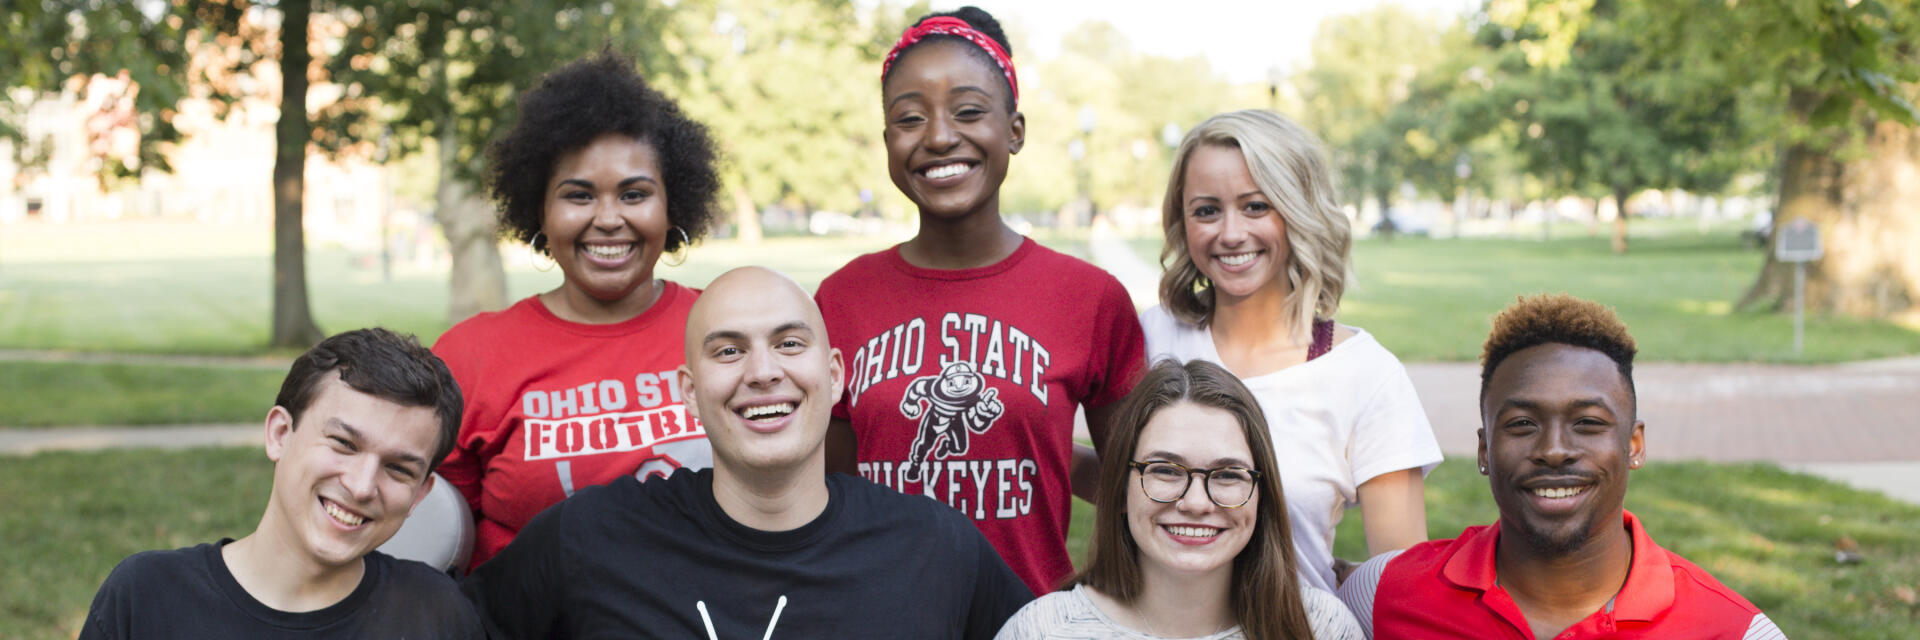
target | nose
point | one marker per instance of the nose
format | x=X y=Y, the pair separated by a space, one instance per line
x=1197 y=500
x=361 y=478
x=1554 y=447
x=606 y=214
x=941 y=134
x=1233 y=229
x=762 y=369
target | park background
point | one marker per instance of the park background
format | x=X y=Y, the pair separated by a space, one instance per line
x=170 y=236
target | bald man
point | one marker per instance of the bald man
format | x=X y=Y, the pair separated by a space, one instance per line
x=765 y=544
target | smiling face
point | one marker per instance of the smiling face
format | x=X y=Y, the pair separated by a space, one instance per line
x=348 y=474
x=1234 y=234
x=1558 y=438
x=949 y=134
x=1191 y=535
x=760 y=374
x=606 y=217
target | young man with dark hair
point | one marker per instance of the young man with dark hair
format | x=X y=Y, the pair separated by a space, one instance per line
x=764 y=544
x=361 y=422
x=1566 y=560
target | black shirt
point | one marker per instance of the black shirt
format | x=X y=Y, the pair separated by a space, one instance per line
x=660 y=559
x=190 y=593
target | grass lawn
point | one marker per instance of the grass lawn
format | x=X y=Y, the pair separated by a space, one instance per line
x=1765 y=532
x=200 y=289
x=1428 y=299
x=69 y=393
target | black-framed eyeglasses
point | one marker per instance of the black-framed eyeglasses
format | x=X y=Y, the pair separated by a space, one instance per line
x=1229 y=487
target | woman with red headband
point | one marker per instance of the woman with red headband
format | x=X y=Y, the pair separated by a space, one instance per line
x=970 y=347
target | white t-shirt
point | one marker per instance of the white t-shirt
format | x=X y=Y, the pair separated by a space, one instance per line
x=1337 y=421
x=1071 y=615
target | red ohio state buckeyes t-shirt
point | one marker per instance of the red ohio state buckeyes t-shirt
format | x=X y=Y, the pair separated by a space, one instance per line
x=962 y=385
x=553 y=406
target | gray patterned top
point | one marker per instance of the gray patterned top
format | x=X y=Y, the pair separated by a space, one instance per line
x=1071 y=615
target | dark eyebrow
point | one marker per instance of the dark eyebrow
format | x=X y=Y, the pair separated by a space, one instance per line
x=796 y=325
x=589 y=185
x=731 y=334
x=355 y=436
x=1165 y=455
x=903 y=96
x=722 y=334
x=1535 y=405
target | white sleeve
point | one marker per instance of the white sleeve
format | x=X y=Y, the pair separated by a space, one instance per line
x=1763 y=629
x=1329 y=617
x=1358 y=591
x=1023 y=625
x=1390 y=430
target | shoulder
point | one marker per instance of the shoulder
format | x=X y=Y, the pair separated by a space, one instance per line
x=414 y=575
x=1163 y=329
x=857 y=269
x=1361 y=350
x=914 y=515
x=479 y=330
x=1329 y=616
x=1701 y=589
x=163 y=565
x=1067 y=270
x=1061 y=614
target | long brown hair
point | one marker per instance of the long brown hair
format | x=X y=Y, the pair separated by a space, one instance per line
x=1267 y=594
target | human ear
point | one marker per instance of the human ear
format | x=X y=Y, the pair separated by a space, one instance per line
x=279 y=427
x=1017 y=137
x=684 y=377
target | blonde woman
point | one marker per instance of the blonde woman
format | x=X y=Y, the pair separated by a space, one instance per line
x=1256 y=261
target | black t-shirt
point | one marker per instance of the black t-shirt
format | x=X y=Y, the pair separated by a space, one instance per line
x=189 y=593
x=660 y=559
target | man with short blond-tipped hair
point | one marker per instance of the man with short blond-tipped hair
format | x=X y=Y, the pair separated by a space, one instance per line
x=1559 y=435
x=765 y=543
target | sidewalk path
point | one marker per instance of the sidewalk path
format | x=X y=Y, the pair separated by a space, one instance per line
x=1857 y=423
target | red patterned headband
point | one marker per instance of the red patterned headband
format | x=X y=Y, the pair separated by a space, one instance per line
x=950 y=26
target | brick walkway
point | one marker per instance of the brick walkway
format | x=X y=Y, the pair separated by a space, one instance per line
x=1860 y=412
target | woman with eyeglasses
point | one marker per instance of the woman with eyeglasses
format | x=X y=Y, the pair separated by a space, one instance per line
x=1191 y=537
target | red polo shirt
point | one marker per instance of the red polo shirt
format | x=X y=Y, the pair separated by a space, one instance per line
x=1448 y=589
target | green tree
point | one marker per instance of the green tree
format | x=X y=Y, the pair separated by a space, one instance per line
x=1364 y=64
x=156 y=45
x=1838 y=77
x=1608 y=120
x=791 y=93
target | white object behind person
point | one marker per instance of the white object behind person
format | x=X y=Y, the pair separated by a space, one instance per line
x=439 y=533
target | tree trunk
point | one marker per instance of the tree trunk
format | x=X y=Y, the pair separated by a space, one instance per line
x=746 y=217
x=478 y=280
x=1864 y=210
x=1384 y=194
x=293 y=325
x=1620 y=195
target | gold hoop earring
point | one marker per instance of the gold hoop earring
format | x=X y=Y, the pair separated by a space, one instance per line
x=680 y=253
x=534 y=254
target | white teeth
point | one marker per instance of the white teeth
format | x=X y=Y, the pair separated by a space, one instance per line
x=947 y=170
x=1558 y=492
x=608 y=251
x=1237 y=259
x=1193 y=532
x=344 y=517
x=781 y=409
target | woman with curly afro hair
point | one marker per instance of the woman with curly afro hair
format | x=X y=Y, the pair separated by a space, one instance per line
x=601 y=175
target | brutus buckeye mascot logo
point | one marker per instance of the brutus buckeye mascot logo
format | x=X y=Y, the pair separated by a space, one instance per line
x=948 y=406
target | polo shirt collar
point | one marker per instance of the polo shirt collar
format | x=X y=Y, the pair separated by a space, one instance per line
x=1647 y=593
